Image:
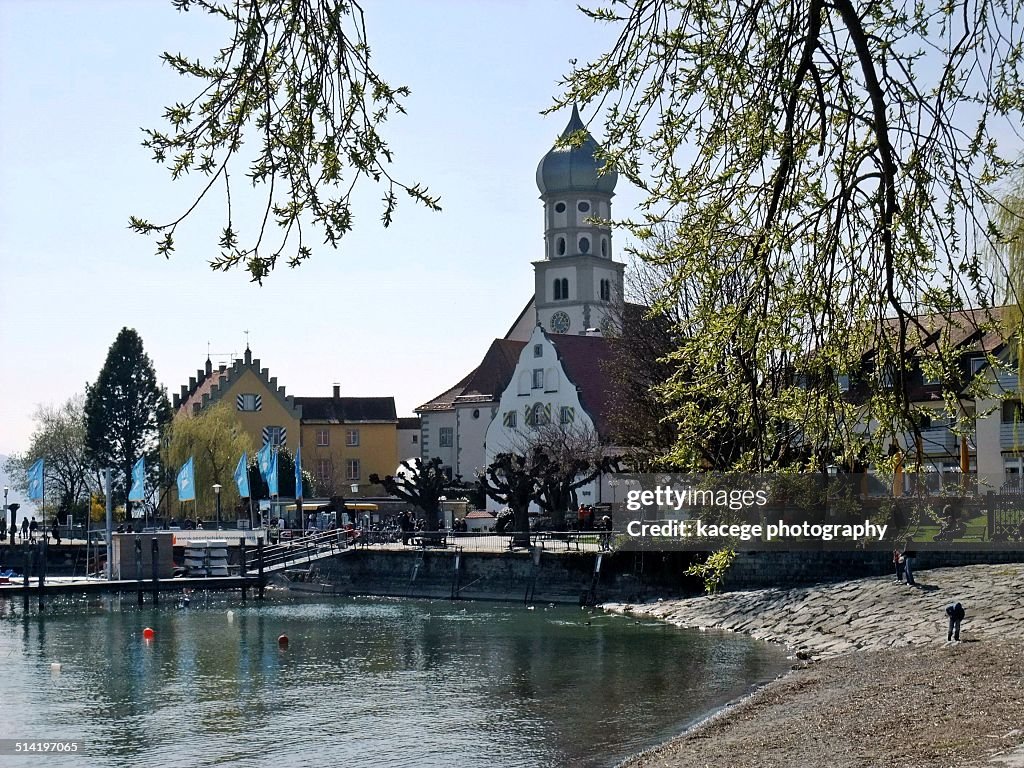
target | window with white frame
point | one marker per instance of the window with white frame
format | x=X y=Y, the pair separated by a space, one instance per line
x=538 y=350
x=538 y=378
x=323 y=437
x=352 y=469
x=977 y=363
x=352 y=437
x=324 y=471
x=273 y=436
x=567 y=415
x=446 y=437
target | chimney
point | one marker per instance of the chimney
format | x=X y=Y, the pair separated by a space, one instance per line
x=184 y=392
x=176 y=400
x=191 y=383
x=337 y=390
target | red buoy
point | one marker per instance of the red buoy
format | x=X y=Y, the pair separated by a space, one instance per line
x=282 y=641
x=148 y=633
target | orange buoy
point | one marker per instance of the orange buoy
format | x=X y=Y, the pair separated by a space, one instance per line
x=282 y=641
x=148 y=633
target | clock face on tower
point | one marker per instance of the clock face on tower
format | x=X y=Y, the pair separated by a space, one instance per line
x=560 y=322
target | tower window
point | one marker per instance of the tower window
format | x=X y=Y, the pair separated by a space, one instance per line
x=604 y=246
x=559 y=207
x=584 y=245
x=561 y=288
x=538 y=350
x=606 y=290
x=583 y=206
x=561 y=246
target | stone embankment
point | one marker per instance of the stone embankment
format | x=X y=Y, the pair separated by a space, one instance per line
x=884 y=689
x=867 y=614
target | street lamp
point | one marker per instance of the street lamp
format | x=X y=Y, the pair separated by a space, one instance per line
x=6 y=489
x=216 y=490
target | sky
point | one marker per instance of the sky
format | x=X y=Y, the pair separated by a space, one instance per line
x=404 y=311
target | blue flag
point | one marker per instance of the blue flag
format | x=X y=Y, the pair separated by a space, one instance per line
x=187 y=482
x=298 y=472
x=263 y=459
x=138 y=491
x=242 y=476
x=271 y=475
x=35 y=481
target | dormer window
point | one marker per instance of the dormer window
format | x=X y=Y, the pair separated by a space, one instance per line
x=538 y=350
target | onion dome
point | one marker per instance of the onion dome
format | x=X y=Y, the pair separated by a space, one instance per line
x=574 y=169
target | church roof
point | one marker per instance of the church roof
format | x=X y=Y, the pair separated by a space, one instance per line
x=585 y=359
x=574 y=168
x=484 y=383
x=346 y=410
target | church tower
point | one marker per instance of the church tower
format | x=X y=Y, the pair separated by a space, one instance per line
x=577 y=284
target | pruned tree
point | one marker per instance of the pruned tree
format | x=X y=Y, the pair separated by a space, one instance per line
x=59 y=439
x=513 y=479
x=125 y=413
x=422 y=484
x=563 y=458
x=834 y=161
x=295 y=82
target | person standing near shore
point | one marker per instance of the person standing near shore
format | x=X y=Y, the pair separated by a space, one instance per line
x=956 y=614
x=897 y=561
x=908 y=558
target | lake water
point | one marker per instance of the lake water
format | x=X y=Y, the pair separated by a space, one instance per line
x=364 y=682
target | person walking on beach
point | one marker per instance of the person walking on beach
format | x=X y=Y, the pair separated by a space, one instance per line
x=956 y=614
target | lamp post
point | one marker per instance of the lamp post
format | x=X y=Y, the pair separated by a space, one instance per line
x=6 y=489
x=216 y=490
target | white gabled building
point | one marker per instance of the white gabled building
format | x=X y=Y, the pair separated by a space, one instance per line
x=558 y=380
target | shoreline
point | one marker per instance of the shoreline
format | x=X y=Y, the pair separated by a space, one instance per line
x=882 y=689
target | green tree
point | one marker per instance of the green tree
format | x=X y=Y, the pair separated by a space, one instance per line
x=294 y=80
x=826 y=170
x=125 y=412
x=216 y=441
x=422 y=484
x=59 y=439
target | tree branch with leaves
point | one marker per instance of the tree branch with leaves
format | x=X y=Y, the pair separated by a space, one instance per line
x=294 y=81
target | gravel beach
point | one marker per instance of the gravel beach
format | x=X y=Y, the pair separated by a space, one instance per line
x=882 y=688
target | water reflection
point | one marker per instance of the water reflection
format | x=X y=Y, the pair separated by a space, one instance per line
x=370 y=682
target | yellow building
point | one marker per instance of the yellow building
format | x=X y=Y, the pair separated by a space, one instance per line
x=344 y=439
x=261 y=406
x=347 y=439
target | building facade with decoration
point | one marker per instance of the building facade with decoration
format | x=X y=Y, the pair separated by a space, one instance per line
x=344 y=439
